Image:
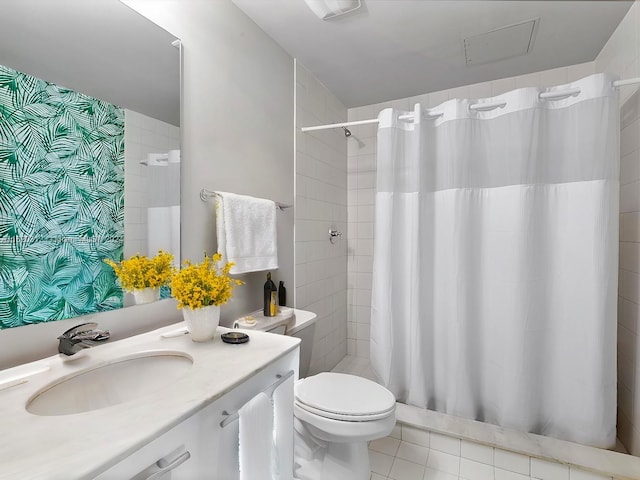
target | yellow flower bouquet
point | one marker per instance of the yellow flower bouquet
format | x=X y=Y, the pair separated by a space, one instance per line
x=200 y=285
x=140 y=272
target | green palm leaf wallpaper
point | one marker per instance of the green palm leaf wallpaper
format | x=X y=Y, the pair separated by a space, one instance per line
x=61 y=201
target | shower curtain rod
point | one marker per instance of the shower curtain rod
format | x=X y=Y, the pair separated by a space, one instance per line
x=559 y=94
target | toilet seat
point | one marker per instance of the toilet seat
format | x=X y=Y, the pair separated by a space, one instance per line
x=344 y=397
x=335 y=416
x=343 y=417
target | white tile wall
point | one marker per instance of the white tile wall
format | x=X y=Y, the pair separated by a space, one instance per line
x=146 y=186
x=362 y=180
x=321 y=201
x=621 y=56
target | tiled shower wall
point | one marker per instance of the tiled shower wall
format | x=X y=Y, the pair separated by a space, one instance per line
x=621 y=56
x=146 y=186
x=321 y=201
x=361 y=166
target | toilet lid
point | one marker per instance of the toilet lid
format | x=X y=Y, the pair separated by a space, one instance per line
x=343 y=396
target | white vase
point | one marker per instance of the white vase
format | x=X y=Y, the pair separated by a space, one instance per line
x=202 y=323
x=146 y=295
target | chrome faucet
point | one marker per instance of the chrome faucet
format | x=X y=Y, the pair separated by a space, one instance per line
x=80 y=337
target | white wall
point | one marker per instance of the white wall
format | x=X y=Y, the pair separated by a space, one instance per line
x=321 y=200
x=237 y=124
x=362 y=182
x=621 y=56
x=238 y=109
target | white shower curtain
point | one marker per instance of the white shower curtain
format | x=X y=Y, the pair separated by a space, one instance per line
x=495 y=261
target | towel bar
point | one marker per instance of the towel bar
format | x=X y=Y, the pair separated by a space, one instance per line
x=207 y=194
x=232 y=417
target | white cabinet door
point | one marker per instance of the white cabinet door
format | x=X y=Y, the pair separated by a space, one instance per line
x=200 y=448
x=169 y=457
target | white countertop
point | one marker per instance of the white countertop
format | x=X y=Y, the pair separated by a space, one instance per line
x=84 y=444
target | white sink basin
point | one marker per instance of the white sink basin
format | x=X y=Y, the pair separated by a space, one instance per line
x=105 y=385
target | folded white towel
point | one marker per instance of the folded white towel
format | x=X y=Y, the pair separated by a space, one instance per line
x=246 y=231
x=283 y=434
x=256 y=438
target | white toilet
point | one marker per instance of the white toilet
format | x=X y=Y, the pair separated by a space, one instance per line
x=335 y=416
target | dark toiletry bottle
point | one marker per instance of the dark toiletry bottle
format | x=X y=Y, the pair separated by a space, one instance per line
x=270 y=290
x=282 y=294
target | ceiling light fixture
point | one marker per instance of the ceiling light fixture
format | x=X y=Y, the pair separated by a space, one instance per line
x=326 y=9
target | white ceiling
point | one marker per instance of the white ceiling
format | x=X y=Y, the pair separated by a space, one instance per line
x=391 y=49
x=101 y=48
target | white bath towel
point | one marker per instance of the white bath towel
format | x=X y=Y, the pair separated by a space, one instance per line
x=256 y=438
x=283 y=433
x=246 y=231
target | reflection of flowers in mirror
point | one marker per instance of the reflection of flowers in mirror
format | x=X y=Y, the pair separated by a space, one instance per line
x=203 y=284
x=140 y=272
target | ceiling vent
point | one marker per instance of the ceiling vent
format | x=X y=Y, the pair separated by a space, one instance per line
x=326 y=9
x=504 y=42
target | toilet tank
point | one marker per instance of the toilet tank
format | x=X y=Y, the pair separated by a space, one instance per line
x=305 y=334
x=303 y=328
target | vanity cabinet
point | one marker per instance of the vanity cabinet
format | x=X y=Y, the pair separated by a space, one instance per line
x=199 y=447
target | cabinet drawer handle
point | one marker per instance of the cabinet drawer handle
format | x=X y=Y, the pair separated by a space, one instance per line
x=170 y=466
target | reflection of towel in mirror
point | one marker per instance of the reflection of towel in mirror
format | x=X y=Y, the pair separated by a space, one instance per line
x=163 y=231
x=256 y=438
x=246 y=231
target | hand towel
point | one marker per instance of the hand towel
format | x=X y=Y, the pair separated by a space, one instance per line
x=283 y=433
x=246 y=231
x=256 y=438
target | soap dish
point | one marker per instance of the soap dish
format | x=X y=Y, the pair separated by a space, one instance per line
x=234 y=337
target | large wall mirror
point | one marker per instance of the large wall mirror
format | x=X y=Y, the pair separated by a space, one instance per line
x=89 y=153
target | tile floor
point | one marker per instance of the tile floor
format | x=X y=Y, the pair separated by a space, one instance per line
x=355 y=366
x=413 y=454
x=394 y=458
x=410 y=453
